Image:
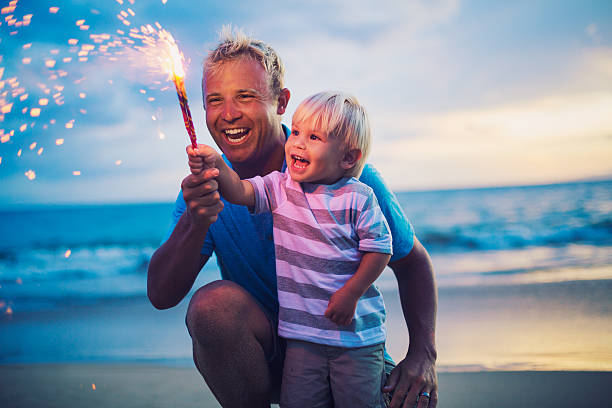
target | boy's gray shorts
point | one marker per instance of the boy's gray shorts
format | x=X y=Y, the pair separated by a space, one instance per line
x=316 y=375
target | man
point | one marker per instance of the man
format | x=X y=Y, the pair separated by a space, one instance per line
x=232 y=322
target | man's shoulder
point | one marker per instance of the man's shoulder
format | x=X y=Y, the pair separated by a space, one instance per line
x=371 y=177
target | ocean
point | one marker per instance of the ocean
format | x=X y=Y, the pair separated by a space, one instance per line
x=475 y=237
x=54 y=258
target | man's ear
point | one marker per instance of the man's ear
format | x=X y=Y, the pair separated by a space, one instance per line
x=350 y=158
x=283 y=100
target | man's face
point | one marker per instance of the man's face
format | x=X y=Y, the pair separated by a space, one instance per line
x=241 y=113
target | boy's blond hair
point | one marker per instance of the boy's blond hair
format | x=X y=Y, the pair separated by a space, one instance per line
x=339 y=115
x=235 y=44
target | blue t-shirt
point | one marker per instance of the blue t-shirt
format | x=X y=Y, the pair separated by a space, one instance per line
x=244 y=245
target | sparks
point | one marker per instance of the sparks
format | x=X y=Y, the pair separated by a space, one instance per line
x=162 y=51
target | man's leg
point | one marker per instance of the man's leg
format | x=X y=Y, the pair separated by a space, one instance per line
x=231 y=338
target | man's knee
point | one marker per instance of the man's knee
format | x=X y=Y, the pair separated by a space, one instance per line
x=215 y=310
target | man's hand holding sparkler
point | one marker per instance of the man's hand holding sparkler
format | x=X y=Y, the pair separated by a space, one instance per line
x=200 y=193
x=206 y=160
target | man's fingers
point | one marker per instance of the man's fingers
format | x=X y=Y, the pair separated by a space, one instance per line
x=413 y=393
x=425 y=400
x=433 y=400
x=399 y=397
x=204 y=177
x=392 y=380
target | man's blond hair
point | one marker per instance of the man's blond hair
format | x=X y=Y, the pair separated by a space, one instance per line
x=235 y=44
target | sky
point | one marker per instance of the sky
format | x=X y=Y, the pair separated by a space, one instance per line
x=460 y=94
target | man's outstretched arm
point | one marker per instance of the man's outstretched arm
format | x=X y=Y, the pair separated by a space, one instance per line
x=417 y=372
x=175 y=264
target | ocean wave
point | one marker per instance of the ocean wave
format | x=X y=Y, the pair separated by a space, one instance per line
x=499 y=236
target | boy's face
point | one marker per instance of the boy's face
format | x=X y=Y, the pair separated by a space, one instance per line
x=241 y=114
x=313 y=156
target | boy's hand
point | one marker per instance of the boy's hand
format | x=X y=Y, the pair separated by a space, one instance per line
x=341 y=307
x=204 y=157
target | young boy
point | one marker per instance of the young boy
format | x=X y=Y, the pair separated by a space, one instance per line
x=331 y=242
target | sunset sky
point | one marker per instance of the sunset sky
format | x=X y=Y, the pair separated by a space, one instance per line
x=460 y=93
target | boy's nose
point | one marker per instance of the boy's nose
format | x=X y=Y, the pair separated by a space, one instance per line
x=298 y=142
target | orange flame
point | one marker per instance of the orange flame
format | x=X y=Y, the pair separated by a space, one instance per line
x=162 y=51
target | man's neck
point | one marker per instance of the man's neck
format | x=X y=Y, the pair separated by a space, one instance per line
x=269 y=161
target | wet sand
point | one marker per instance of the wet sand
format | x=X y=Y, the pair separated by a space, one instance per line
x=149 y=385
x=538 y=345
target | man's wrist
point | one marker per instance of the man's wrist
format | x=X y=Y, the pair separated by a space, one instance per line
x=427 y=351
x=196 y=225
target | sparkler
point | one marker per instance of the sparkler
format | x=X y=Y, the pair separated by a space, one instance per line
x=25 y=105
x=179 y=83
x=171 y=62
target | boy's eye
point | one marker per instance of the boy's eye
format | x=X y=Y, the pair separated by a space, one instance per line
x=314 y=137
x=295 y=132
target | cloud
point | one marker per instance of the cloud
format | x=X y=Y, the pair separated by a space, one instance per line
x=592 y=31
x=457 y=96
x=557 y=138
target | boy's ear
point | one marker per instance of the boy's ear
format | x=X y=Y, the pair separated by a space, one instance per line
x=350 y=158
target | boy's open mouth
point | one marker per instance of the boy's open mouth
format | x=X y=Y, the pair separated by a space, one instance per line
x=237 y=135
x=299 y=162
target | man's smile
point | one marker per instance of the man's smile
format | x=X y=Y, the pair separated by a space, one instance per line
x=236 y=135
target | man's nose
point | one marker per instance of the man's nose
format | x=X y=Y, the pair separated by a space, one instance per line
x=230 y=112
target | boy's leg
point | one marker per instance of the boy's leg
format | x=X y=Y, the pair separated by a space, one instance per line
x=305 y=376
x=356 y=376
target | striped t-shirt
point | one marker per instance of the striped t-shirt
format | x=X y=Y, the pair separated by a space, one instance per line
x=320 y=232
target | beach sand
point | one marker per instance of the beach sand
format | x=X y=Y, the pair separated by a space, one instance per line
x=538 y=345
x=149 y=385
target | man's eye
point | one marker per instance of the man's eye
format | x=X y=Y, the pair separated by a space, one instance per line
x=245 y=96
x=213 y=101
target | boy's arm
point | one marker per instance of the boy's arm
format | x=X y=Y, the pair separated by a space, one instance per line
x=233 y=189
x=343 y=303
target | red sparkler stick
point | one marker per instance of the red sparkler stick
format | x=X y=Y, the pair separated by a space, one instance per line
x=179 y=83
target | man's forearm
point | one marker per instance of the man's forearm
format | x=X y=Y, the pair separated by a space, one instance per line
x=418 y=296
x=176 y=263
